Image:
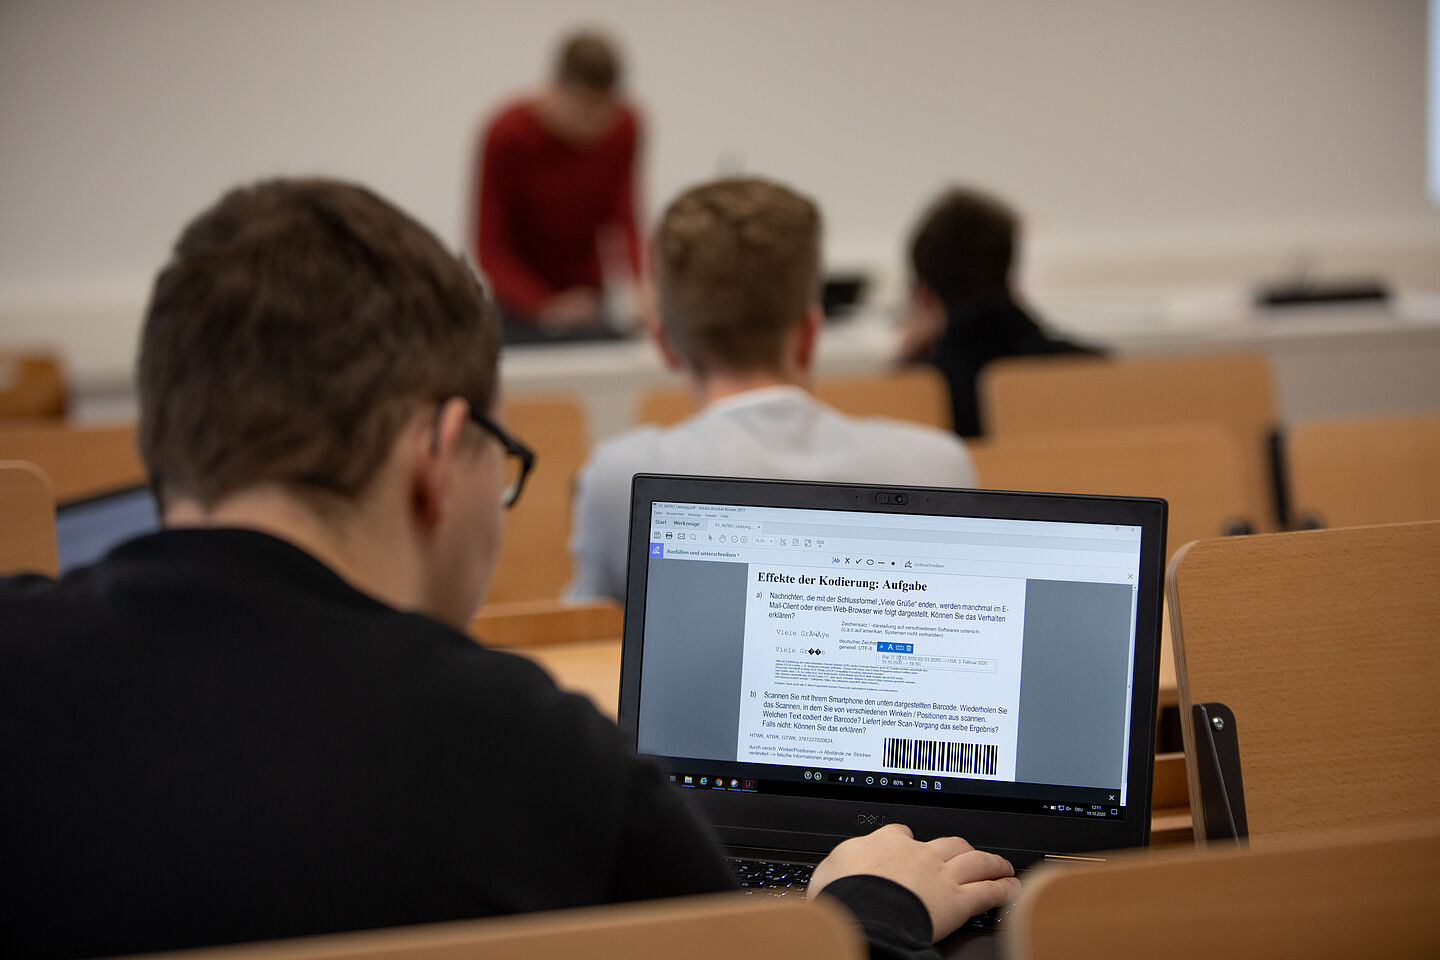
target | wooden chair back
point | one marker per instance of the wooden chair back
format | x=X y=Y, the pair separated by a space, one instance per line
x=1345 y=473
x=917 y=394
x=664 y=405
x=81 y=461
x=1324 y=645
x=546 y=621
x=27 y=520
x=31 y=385
x=534 y=561
x=1324 y=898
x=1048 y=394
x=714 y=927
x=1197 y=467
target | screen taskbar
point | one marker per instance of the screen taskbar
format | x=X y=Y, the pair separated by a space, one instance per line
x=908 y=787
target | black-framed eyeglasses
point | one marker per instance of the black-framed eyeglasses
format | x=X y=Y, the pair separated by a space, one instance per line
x=519 y=459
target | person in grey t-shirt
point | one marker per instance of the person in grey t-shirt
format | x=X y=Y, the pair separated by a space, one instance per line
x=737 y=272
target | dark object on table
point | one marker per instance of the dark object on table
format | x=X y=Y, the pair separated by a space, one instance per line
x=1293 y=294
x=842 y=293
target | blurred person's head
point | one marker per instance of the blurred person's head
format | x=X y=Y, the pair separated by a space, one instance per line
x=309 y=340
x=583 y=97
x=737 y=276
x=964 y=247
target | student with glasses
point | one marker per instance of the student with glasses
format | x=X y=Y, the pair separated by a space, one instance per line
x=266 y=720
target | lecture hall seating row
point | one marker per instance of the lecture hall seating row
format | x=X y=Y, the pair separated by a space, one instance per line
x=1207 y=453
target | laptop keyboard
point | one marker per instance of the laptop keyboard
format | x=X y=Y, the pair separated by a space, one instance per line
x=771 y=877
x=774 y=878
x=992 y=919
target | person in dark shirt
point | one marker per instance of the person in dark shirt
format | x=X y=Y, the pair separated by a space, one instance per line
x=963 y=310
x=266 y=720
x=554 y=191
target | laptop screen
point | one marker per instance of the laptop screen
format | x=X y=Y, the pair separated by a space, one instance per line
x=899 y=654
x=86 y=530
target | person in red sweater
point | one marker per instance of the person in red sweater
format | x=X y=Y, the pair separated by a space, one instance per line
x=555 y=191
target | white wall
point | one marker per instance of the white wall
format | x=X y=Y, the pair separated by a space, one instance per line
x=1140 y=137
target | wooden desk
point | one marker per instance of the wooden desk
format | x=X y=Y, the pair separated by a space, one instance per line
x=1329 y=361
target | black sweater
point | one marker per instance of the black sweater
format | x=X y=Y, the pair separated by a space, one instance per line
x=210 y=737
x=977 y=332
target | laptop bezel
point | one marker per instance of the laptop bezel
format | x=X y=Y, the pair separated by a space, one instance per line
x=816 y=824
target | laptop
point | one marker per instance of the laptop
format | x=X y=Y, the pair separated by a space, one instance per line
x=86 y=530
x=810 y=661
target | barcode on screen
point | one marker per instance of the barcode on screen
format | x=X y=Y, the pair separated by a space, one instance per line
x=941 y=757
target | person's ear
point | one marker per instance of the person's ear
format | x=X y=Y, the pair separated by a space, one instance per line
x=650 y=313
x=922 y=297
x=808 y=336
x=923 y=325
x=434 y=462
x=656 y=329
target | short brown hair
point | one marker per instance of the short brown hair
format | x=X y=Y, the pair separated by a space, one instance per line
x=588 y=59
x=294 y=329
x=964 y=246
x=737 y=263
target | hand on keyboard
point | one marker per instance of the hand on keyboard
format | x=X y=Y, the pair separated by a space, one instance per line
x=953 y=879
